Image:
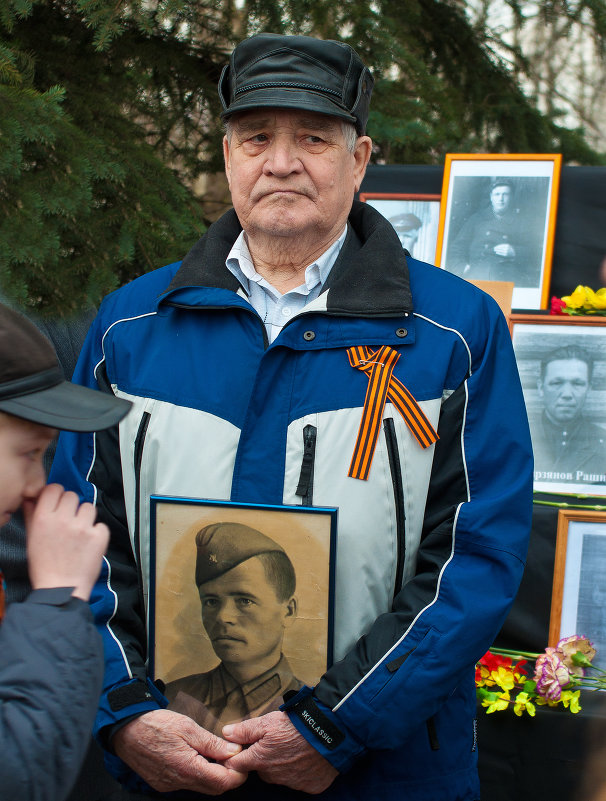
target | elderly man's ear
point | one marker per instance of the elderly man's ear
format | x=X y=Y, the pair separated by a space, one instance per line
x=362 y=157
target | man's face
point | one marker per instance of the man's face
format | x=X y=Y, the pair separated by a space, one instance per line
x=500 y=198
x=564 y=389
x=408 y=238
x=22 y=476
x=291 y=175
x=243 y=617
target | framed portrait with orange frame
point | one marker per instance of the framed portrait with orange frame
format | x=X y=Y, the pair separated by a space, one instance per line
x=578 y=598
x=497 y=221
x=415 y=218
x=240 y=606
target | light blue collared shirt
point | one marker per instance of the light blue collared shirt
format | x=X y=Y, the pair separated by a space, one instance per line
x=273 y=308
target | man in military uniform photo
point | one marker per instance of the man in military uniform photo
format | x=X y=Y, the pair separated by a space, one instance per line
x=564 y=440
x=495 y=243
x=246 y=583
x=407 y=227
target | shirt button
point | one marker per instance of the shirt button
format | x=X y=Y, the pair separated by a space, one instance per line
x=286 y=311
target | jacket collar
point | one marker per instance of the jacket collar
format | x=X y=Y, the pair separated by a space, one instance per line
x=369 y=279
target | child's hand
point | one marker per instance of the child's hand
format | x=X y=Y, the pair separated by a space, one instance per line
x=64 y=544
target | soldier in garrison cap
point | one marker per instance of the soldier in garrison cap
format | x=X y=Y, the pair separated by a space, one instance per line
x=246 y=583
x=407 y=226
x=497 y=243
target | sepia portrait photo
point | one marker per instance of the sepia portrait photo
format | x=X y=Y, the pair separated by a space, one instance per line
x=562 y=366
x=415 y=219
x=241 y=605
x=498 y=221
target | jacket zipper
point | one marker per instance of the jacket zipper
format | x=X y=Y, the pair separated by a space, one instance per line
x=305 y=487
x=137 y=459
x=398 y=493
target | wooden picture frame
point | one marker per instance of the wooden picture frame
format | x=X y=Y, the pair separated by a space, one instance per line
x=415 y=217
x=578 y=598
x=241 y=604
x=497 y=221
x=562 y=365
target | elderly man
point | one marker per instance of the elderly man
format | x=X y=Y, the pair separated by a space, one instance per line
x=297 y=356
x=246 y=584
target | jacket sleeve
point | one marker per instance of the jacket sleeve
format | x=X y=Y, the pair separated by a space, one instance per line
x=469 y=565
x=51 y=665
x=89 y=464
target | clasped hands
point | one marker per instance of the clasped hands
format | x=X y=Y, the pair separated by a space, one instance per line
x=171 y=752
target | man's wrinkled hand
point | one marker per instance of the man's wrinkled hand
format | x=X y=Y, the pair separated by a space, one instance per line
x=279 y=754
x=171 y=752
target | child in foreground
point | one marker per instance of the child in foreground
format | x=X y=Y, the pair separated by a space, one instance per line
x=51 y=656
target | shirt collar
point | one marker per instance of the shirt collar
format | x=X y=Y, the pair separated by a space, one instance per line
x=239 y=262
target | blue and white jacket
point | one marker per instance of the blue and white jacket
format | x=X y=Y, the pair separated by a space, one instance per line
x=430 y=549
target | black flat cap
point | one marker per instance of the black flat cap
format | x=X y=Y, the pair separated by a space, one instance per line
x=300 y=72
x=32 y=385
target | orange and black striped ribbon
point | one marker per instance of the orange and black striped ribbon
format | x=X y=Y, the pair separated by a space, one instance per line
x=382 y=384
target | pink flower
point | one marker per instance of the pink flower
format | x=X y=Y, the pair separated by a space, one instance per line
x=551 y=674
x=576 y=652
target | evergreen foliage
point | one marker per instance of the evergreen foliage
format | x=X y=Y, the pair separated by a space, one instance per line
x=109 y=111
x=87 y=200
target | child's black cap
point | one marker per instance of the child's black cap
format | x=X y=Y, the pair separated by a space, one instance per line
x=32 y=385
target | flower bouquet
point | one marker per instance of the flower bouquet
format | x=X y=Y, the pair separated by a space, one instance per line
x=559 y=675
x=582 y=301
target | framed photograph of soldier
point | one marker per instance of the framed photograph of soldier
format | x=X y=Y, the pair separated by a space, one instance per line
x=562 y=367
x=240 y=606
x=578 y=599
x=497 y=221
x=415 y=218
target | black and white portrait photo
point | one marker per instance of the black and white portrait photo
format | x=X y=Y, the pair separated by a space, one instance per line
x=497 y=224
x=415 y=219
x=496 y=231
x=242 y=607
x=579 y=605
x=563 y=371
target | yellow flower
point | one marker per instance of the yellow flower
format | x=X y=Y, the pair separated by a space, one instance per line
x=571 y=699
x=483 y=676
x=577 y=299
x=502 y=702
x=503 y=677
x=523 y=703
x=540 y=701
x=598 y=299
